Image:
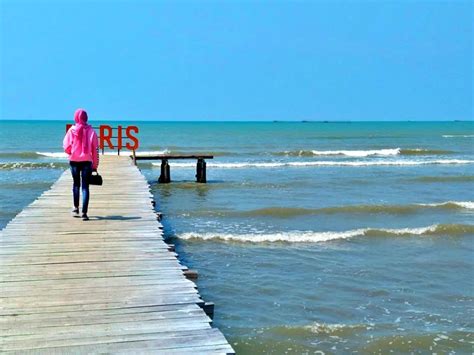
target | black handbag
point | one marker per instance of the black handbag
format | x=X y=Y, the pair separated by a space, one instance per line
x=95 y=179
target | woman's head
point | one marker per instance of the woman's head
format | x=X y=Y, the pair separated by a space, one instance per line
x=80 y=116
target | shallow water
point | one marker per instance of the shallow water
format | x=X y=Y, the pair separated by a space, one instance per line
x=331 y=237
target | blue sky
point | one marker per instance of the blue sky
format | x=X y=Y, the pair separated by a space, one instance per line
x=237 y=60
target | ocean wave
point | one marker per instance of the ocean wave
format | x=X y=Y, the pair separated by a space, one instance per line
x=124 y=152
x=364 y=153
x=18 y=155
x=451 y=204
x=53 y=154
x=324 y=329
x=458 y=136
x=288 y=212
x=364 y=137
x=315 y=237
x=348 y=153
x=240 y=165
x=379 y=338
x=32 y=165
x=336 y=329
x=421 y=151
x=453 y=178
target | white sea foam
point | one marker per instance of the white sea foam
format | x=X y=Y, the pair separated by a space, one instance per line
x=53 y=154
x=464 y=204
x=152 y=152
x=323 y=328
x=293 y=236
x=358 y=153
x=124 y=152
x=468 y=204
x=458 y=136
x=364 y=153
x=308 y=236
x=29 y=165
x=405 y=231
x=240 y=165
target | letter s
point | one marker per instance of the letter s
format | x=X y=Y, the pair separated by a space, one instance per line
x=134 y=139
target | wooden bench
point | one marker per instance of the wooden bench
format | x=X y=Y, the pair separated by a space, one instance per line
x=165 y=176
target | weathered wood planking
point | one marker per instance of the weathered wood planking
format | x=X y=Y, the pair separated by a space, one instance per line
x=107 y=285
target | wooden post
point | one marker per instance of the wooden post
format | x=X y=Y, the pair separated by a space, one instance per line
x=165 y=176
x=201 y=171
x=191 y=274
x=208 y=308
x=134 y=157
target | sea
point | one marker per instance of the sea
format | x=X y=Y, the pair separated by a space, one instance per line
x=309 y=237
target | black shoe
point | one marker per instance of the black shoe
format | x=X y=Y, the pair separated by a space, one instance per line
x=75 y=212
x=85 y=217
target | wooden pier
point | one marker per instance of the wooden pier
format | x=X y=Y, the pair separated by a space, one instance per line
x=107 y=285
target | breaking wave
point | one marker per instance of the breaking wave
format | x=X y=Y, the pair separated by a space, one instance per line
x=451 y=204
x=458 y=136
x=315 y=237
x=240 y=165
x=288 y=212
x=364 y=153
x=348 y=153
x=53 y=154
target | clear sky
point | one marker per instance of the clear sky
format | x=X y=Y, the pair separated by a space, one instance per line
x=237 y=60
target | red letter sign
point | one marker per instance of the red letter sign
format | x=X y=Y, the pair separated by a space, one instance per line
x=134 y=139
x=106 y=137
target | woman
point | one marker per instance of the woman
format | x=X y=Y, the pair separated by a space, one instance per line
x=81 y=144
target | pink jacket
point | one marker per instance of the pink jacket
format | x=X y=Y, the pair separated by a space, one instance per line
x=81 y=142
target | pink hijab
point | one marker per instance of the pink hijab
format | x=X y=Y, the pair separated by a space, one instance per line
x=80 y=132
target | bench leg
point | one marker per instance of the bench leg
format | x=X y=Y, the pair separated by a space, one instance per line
x=201 y=171
x=165 y=176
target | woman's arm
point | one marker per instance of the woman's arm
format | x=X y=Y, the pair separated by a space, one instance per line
x=67 y=142
x=95 y=151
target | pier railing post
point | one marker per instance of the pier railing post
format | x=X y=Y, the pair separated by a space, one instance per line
x=134 y=157
x=165 y=176
x=201 y=170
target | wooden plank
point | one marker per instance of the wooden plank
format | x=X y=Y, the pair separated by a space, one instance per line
x=189 y=341
x=91 y=313
x=110 y=284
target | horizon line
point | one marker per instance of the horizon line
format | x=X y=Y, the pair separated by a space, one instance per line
x=235 y=121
